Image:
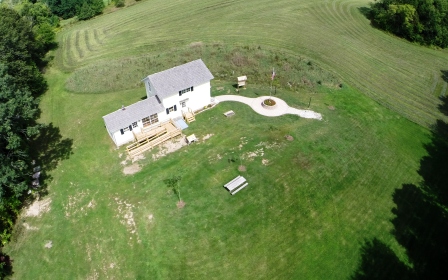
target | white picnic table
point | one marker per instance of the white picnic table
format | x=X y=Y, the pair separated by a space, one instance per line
x=235 y=185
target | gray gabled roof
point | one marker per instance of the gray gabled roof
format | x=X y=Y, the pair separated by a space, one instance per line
x=137 y=111
x=171 y=81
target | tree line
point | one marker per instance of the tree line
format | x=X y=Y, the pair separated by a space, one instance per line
x=26 y=35
x=421 y=21
x=83 y=9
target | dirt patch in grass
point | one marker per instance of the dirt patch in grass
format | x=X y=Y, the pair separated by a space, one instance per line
x=169 y=146
x=207 y=137
x=38 y=207
x=126 y=217
x=49 y=244
x=28 y=227
x=265 y=161
x=289 y=137
x=181 y=204
x=332 y=108
x=242 y=168
x=132 y=169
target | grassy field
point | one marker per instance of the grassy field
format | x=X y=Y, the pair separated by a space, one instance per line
x=311 y=202
x=404 y=77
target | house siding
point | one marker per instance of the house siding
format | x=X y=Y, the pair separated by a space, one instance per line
x=198 y=98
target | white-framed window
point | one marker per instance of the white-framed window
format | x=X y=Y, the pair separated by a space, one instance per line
x=125 y=128
x=152 y=119
x=171 y=109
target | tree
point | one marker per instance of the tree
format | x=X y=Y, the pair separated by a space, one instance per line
x=18 y=111
x=20 y=52
x=43 y=24
x=20 y=84
x=173 y=183
x=422 y=21
x=84 y=9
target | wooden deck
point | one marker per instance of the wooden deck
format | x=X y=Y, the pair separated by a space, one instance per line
x=151 y=137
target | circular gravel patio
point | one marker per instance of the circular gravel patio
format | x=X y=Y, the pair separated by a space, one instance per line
x=281 y=108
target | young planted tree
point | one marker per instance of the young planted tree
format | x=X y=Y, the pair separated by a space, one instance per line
x=174 y=184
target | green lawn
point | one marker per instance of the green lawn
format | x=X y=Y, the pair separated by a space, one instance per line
x=394 y=72
x=305 y=213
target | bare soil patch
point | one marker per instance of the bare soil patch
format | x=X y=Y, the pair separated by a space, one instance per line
x=207 y=137
x=332 y=108
x=38 y=207
x=169 y=147
x=181 y=204
x=289 y=137
x=265 y=161
x=132 y=169
x=242 y=168
x=49 y=244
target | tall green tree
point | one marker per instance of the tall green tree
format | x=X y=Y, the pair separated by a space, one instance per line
x=422 y=21
x=20 y=52
x=84 y=9
x=43 y=23
x=20 y=84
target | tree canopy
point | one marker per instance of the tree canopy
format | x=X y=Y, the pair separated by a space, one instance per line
x=422 y=21
x=84 y=9
x=20 y=85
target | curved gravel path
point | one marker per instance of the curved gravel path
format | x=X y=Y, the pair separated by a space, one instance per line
x=281 y=107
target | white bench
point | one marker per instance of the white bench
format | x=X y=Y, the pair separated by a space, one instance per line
x=237 y=184
x=229 y=113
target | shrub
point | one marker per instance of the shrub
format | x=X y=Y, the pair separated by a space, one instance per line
x=119 y=3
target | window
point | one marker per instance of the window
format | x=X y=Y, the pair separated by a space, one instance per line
x=154 y=118
x=134 y=124
x=126 y=129
x=185 y=91
x=183 y=103
x=150 y=120
x=171 y=109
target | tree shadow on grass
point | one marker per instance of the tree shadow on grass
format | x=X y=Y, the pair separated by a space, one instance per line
x=48 y=149
x=365 y=11
x=380 y=262
x=5 y=265
x=420 y=222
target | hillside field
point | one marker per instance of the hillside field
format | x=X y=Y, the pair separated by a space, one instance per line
x=311 y=203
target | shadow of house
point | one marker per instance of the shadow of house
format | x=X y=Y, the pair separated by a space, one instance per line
x=420 y=223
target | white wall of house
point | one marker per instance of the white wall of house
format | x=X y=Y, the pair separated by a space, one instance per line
x=170 y=102
x=121 y=139
x=198 y=98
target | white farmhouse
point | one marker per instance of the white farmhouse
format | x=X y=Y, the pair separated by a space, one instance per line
x=171 y=95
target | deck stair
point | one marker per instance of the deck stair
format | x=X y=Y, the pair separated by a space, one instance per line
x=189 y=115
x=152 y=136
